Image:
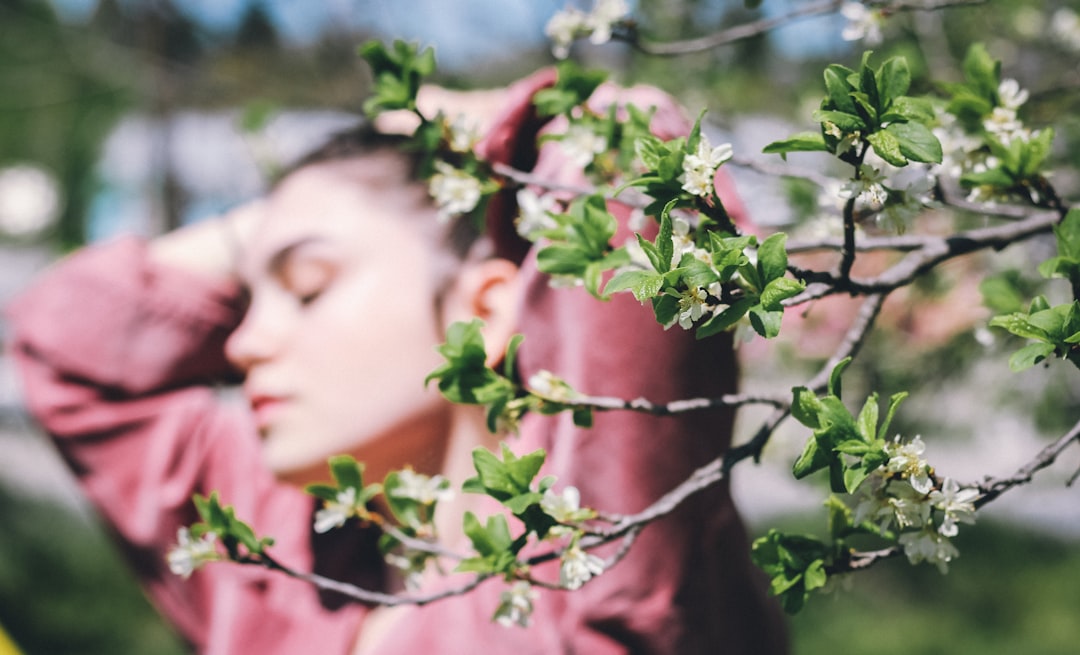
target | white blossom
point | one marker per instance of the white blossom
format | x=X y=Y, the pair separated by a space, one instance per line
x=582 y=145
x=906 y=460
x=692 y=306
x=570 y=23
x=872 y=501
x=928 y=545
x=548 y=385
x=563 y=28
x=463 y=134
x=455 y=191
x=412 y=568
x=578 y=567
x=335 y=512
x=602 y=18
x=960 y=150
x=534 y=214
x=699 y=168
x=1005 y=126
x=564 y=507
x=956 y=504
x=864 y=24
x=1011 y=95
x=910 y=507
x=426 y=490
x=908 y=204
x=189 y=553
x=868 y=188
x=516 y=605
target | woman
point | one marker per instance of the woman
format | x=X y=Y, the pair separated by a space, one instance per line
x=348 y=283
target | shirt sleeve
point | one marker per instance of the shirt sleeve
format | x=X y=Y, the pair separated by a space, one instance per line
x=115 y=356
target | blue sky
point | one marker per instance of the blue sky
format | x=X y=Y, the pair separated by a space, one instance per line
x=460 y=30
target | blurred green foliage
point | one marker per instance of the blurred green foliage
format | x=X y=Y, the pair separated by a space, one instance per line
x=64 y=588
x=1009 y=592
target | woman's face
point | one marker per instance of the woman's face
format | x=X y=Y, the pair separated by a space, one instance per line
x=342 y=325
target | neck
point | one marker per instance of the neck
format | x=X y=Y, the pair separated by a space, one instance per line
x=468 y=431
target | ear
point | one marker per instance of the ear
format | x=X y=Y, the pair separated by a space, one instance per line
x=488 y=290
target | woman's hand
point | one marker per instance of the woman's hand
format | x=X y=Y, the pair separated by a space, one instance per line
x=212 y=247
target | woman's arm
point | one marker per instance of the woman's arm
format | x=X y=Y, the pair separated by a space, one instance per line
x=211 y=248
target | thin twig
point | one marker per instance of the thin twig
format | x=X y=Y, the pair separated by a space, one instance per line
x=991 y=488
x=645 y=406
x=365 y=595
x=763 y=25
x=935 y=251
x=724 y=37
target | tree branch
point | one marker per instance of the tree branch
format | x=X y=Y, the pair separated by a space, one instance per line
x=934 y=251
x=991 y=488
x=631 y=36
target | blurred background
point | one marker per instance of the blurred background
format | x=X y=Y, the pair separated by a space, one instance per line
x=136 y=116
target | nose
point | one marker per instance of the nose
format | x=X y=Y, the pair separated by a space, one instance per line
x=258 y=338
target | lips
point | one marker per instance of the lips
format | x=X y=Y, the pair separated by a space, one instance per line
x=266 y=408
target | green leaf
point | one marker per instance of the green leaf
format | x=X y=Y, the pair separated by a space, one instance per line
x=996 y=177
x=846 y=122
x=916 y=142
x=510 y=362
x=653 y=254
x=493 y=475
x=835 y=376
x=868 y=84
x=665 y=245
x=778 y=290
x=519 y=504
x=772 y=258
x=893 y=80
x=1030 y=355
x=887 y=146
x=490 y=539
x=643 y=284
x=1067 y=233
x=523 y=469
x=811 y=460
x=723 y=320
x=1020 y=324
x=666 y=308
x=765 y=322
x=868 y=418
x=853 y=477
x=1034 y=152
x=347 y=472
x=806 y=407
x=322 y=491
x=838 y=88
x=573 y=86
x=981 y=71
x=561 y=259
x=894 y=403
x=906 y=108
x=583 y=417
x=1000 y=292
x=801 y=142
